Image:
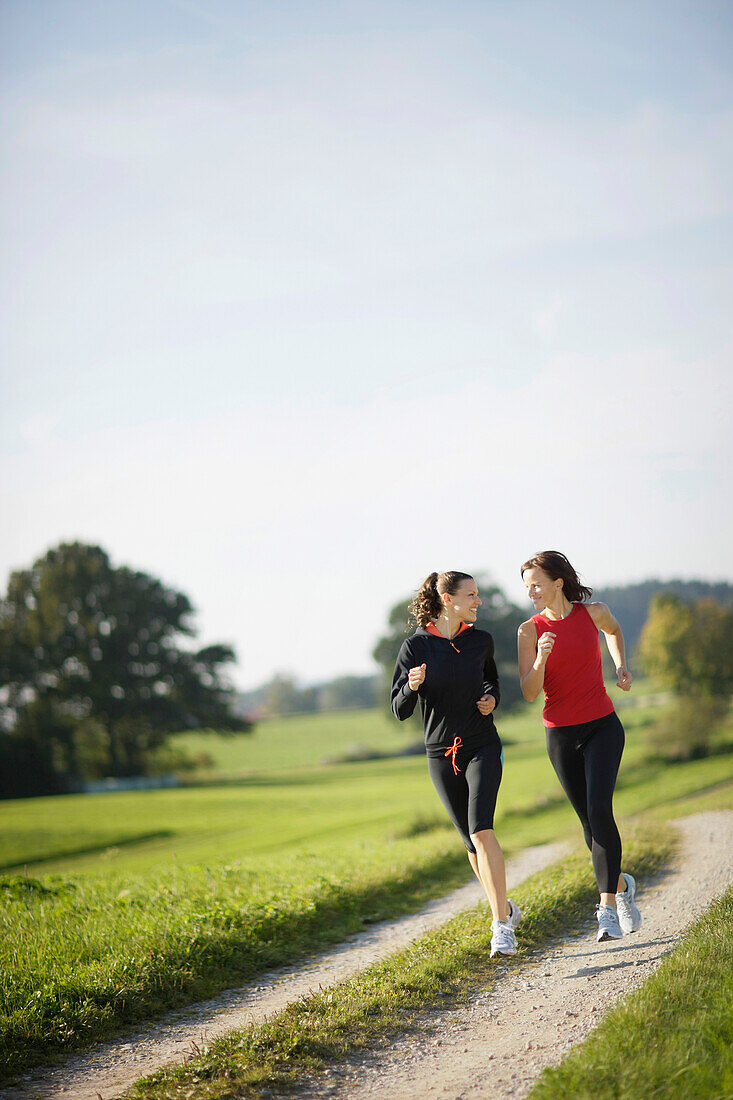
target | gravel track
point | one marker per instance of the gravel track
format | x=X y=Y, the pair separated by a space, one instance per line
x=498 y=1046
x=107 y=1069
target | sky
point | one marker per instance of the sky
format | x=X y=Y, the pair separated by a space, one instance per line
x=305 y=300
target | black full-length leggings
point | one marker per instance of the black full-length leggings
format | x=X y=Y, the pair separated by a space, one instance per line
x=586 y=758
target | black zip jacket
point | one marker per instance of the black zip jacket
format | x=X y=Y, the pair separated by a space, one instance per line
x=458 y=673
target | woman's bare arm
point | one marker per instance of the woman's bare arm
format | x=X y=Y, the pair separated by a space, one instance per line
x=532 y=653
x=601 y=615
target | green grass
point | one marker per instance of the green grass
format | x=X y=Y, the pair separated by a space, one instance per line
x=270 y=783
x=82 y=958
x=247 y=820
x=175 y=894
x=439 y=971
x=300 y=741
x=670 y=1040
x=280 y=805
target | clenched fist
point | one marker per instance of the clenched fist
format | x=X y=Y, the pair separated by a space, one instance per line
x=486 y=704
x=623 y=678
x=544 y=648
x=416 y=676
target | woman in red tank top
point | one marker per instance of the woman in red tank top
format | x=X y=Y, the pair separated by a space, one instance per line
x=560 y=654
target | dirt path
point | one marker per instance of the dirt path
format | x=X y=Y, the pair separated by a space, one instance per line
x=106 y=1069
x=498 y=1045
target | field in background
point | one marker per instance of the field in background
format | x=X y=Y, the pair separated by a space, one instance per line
x=311 y=739
x=267 y=794
x=303 y=740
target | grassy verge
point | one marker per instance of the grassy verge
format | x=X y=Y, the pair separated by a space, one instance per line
x=439 y=971
x=670 y=1040
x=95 y=958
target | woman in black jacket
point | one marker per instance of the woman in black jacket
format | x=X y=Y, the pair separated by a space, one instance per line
x=449 y=667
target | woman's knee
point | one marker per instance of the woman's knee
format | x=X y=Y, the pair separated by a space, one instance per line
x=602 y=823
x=483 y=839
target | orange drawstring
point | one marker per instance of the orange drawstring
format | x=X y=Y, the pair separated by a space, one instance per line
x=457 y=744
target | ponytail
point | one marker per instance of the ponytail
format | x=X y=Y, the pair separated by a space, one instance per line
x=427 y=605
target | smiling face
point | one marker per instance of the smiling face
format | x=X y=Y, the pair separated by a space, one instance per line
x=465 y=601
x=541 y=588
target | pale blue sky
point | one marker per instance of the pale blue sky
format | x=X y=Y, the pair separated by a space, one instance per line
x=305 y=300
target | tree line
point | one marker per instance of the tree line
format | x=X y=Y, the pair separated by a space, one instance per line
x=282 y=694
x=96 y=673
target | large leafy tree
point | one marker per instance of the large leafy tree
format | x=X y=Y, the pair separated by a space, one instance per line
x=497 y=615
x=95 y=676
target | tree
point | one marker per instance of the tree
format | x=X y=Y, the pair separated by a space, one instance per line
x=92 y=666
x=283 y=696
x=497 y=615
x=689 y=648
x=631 y=603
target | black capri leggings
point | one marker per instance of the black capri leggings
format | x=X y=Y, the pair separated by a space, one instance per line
x=586 y=758
x=470 y=796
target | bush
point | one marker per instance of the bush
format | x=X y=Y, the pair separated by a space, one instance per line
x=688 y=730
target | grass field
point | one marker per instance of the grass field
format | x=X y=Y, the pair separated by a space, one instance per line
x=305 y=740
x=120 y=905
x=287 y=802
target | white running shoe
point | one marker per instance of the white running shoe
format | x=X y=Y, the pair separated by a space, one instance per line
x=503 y=940
x=515 y=913
x=629 y=916
x=608 y=925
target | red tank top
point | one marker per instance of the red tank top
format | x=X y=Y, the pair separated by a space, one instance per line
x=574 y=690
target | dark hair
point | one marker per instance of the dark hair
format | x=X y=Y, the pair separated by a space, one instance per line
x=556 y=565
x=427 y=604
